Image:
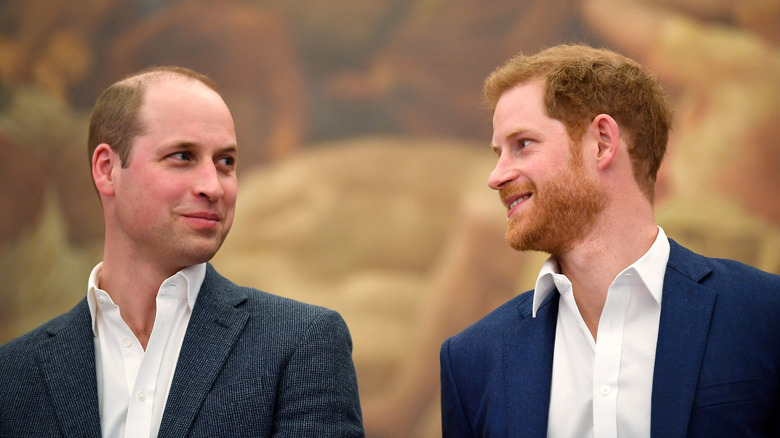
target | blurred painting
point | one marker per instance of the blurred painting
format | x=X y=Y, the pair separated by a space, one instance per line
x=364 y=152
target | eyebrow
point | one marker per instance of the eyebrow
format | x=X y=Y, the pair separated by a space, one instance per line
x=514 y=133
x=188 y=145
x=232 y=148
x=517 y=132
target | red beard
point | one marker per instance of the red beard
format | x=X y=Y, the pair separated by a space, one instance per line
x=561 y=211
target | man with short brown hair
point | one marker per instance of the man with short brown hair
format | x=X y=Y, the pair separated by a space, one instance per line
x=163 y=345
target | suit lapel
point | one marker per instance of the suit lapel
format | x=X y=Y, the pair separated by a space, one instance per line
x=686 y=310
x=67 y=363
x=528 y=349
x=214 y=327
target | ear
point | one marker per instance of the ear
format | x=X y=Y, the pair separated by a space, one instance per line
x=605 y=131
x=104 y=162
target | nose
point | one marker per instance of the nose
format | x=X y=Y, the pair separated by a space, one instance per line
x=503 y=173
x=208 y=182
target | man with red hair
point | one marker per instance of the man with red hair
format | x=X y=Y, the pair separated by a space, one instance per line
x=627 y=333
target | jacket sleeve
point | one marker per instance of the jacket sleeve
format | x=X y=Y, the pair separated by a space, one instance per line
x=455 y=424
x=318 y=390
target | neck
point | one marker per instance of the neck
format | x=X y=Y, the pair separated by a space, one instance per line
x=592 y=264
x=133 y=286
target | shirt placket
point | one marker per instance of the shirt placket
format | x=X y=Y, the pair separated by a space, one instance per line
x=606 y=365
x=140 y=410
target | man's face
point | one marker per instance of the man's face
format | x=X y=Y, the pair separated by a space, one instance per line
x=553 y=200
x=174 y=202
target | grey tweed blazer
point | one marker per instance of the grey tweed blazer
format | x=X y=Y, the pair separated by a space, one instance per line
x=252 y=365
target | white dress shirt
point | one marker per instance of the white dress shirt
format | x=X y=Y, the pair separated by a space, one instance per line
x=603 y=389
x=133 y=384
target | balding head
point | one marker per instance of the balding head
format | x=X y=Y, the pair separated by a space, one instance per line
x=115 y=117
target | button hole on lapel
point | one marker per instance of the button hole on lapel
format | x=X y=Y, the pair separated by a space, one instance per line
x=222 y=323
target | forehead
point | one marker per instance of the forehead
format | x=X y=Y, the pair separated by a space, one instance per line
x=521 y=112
x=180 y=94
x=519 y=109
x=182 y=105
x=523 y=99
x=177 y=113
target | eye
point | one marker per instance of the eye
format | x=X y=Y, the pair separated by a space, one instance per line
x=181 y=156
x=520 y=146
x=227 y=163
x=523 y=143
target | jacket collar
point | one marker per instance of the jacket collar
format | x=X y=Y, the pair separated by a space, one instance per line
x=215 y=325
x=528 y=356
x=686 y=312
x=67 y=363
x=686 y=309
x=67 y=360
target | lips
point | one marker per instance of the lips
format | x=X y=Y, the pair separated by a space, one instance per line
x=208 y=216
x=513 y=203
x=203 y=219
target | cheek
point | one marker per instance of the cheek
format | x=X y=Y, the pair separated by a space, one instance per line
x=153 y=184
x=230 y=189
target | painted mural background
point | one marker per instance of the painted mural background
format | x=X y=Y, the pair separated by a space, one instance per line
x=363 y=152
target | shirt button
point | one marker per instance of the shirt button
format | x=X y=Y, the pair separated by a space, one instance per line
x=582 y=330
x=126 y=342
x=605 y=390
x=101 y=301
x=141 y=396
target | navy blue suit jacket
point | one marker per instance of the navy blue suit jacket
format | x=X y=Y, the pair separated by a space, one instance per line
x=251 y=365
x=717 y=365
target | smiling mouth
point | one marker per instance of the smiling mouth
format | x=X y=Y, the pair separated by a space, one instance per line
x=205 y=216
x=519 y=200
x=203 y=220
x=516 y=202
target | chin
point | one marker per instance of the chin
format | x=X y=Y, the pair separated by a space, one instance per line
x=538 y=239
x=520 y=241
x=199 y=255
